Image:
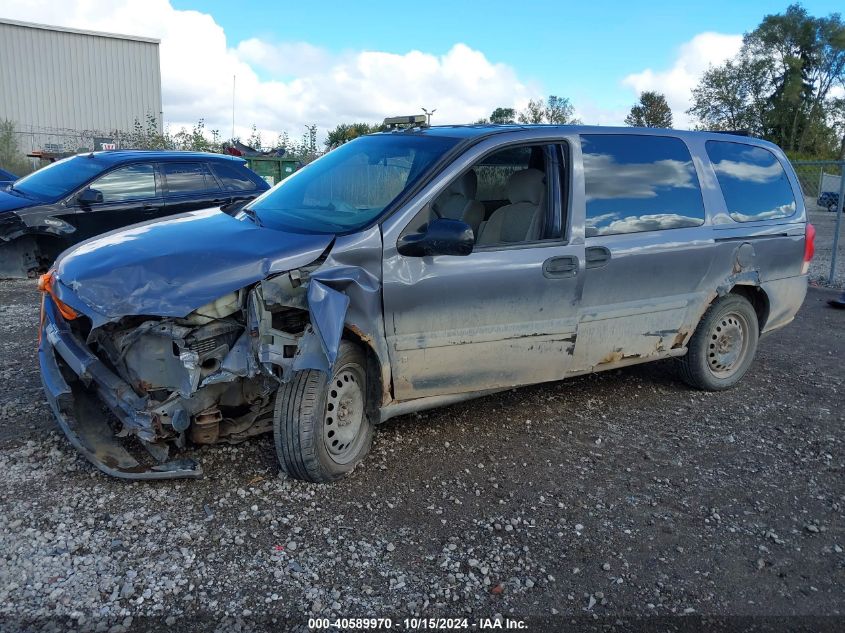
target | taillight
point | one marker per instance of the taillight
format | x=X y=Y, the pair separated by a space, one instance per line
x=809 y=247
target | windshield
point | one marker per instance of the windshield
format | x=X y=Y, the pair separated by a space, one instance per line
x=60 y=178
x=350 y=186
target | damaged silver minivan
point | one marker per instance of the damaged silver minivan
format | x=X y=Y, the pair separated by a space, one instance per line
x=416 y=268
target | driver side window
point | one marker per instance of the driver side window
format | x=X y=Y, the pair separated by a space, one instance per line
x=510 y=196
x=133 y=182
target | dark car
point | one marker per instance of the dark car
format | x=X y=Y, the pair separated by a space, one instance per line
x=828 y=200
x=6 y=178
x=85 y=195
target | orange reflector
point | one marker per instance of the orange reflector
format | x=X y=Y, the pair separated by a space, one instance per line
x=45 y=282
x=45 y=285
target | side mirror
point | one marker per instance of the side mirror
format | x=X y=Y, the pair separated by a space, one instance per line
x=442 y=237
x=90 y=196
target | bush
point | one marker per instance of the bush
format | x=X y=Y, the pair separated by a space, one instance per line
x=11 y=158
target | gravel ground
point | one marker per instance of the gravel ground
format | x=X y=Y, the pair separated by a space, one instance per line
x=825 y=223
x=594 y=501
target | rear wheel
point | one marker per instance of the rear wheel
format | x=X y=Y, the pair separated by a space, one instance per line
x=723 y=346
x=320 y=426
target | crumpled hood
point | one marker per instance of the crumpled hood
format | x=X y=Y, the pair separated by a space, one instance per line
x=11 y=202
x=171 y=267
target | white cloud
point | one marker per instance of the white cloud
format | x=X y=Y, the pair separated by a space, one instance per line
x=749 y=172
x=609 y=180
x=639 y=223
x=591 y=113
x=782 y=211
x=298 y=83
x=677 y=82
x=463 y=85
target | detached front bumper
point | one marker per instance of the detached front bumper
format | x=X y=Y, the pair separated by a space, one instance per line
x=77 y=404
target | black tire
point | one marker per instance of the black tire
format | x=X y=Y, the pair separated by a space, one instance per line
x=302 y=424
x=715 y=359
x=831 y=207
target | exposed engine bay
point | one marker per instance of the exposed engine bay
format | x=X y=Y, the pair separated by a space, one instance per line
x=200 y=375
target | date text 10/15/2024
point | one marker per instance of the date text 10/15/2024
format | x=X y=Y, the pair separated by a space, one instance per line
x=416 y=624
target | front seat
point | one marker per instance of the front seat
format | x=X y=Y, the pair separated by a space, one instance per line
x=458 y=201
x=519 y=221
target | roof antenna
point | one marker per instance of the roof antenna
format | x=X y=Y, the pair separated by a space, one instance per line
x=428 y=116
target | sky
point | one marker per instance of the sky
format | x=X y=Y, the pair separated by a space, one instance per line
x=326 y=62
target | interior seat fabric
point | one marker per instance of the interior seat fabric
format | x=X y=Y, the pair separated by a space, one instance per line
x=458 y=201
x=520 y=220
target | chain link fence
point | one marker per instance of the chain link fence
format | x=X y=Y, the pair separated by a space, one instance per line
x=22 y=142
x=824 y=193
x=54 y=139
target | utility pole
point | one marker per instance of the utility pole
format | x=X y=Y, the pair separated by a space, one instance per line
x=234 y=79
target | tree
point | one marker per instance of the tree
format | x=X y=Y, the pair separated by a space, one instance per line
x=555 y=110
x=786 y=44
x=780 y=84
x=534 y=112
x=731 y=97
x=144 y=135
x=651 y=111
x=837 y=119
x=828 y=71
x=503 y=115
x=560 y=111
x=307 y=149
x=11 y=158
x=254 y=140
x=196 y=139
x=345 y=132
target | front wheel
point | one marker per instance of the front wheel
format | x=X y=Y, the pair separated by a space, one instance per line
x=320 y=424
x=723 y=346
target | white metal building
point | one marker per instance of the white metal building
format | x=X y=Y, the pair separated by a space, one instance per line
x=65 y=87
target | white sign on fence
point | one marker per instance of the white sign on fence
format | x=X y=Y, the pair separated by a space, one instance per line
x=829 y=183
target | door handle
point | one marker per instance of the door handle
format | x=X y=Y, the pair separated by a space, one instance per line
x=149 y=207
x=557 y=267
x=596 y=256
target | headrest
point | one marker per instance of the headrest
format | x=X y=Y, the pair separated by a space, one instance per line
x=526 y=186
x=465 y=186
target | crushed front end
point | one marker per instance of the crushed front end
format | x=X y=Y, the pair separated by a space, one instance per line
x=131 y=391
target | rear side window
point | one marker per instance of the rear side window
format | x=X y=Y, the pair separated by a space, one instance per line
x=184 y=178
x=753 y=182
x=233 y=176
x=639 y=183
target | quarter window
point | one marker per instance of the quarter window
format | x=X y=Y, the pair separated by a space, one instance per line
x=184 y=178
x=639 y=183
x=753 y=181
x=134 y=182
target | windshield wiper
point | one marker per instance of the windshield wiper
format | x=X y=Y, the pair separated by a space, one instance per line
x=17 y=192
